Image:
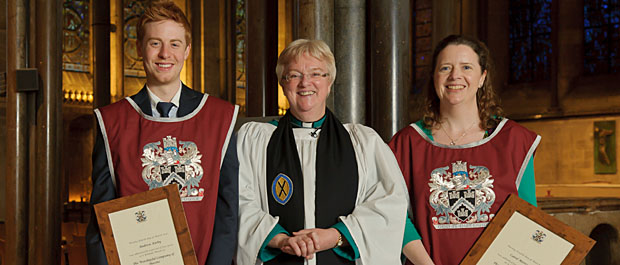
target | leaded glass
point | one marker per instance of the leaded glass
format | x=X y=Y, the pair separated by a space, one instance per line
x=240 y=61
x=601 y=20
x=530 y=40
x=75 y=33
x=132 y=10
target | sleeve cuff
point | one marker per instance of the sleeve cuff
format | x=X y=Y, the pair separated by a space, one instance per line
x=411 y=233
x=350 y=252
x=266 y=253
x=527 y=188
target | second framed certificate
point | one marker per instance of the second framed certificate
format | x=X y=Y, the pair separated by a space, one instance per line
x=524 y=234
x=146 y=228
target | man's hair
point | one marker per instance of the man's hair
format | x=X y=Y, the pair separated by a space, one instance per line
x=160 y=11
x=315 y=48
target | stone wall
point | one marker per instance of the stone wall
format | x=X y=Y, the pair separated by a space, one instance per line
x=596 y=218
x=564 y=162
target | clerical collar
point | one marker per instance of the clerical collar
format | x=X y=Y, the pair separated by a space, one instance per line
x=300 y=124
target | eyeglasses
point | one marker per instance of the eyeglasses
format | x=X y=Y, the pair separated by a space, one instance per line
x=297 y=77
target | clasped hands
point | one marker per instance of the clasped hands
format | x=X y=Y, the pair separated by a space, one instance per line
x=306 y=242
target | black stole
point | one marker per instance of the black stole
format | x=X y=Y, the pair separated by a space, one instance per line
x=336 y=182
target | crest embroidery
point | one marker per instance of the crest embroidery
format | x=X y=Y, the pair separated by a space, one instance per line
x=173 y=165
x=282 y=188
x=461 y=198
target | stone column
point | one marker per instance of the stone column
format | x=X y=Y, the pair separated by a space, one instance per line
x=349 y=90
x=101 y=50
x=390 y=64
x=262 y=54
x=446 y=19
x=315 y=20
x=45 y=199
x=17 y=139
x=215 y=37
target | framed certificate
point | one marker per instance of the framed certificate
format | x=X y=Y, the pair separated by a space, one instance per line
x=146 y=228
x=523 y=234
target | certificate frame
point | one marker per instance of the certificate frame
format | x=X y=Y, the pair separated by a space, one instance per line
x=169 y=192
x=581 y=243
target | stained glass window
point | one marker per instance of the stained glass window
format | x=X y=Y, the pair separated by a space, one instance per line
x=240 y=62
x=423 y=43
x=530 y=40
x=75 y=33
x=601 y=23
x=132 y=10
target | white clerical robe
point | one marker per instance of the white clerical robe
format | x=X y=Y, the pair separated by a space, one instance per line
x=377 y=222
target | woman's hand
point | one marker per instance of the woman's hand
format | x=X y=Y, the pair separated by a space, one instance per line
x=302 y=245
x=324 y=239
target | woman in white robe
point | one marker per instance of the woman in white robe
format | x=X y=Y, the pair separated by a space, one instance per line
x=295 y=172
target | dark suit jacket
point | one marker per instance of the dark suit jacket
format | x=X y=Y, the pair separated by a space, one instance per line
x=224 y=240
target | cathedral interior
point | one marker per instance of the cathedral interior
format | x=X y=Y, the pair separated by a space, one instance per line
x=556 y=63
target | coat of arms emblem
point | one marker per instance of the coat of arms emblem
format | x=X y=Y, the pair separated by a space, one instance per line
x=461 y=198
x=171 y=164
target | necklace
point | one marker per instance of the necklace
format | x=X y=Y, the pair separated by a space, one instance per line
x=453 y=141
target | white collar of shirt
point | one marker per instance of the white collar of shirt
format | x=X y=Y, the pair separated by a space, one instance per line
x=154 y=100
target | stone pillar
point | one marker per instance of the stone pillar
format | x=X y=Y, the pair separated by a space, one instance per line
x=446 y=19
x=390 y=64
x=17 y=136
x=45 y=198
x=498 y=42
x=349 y=90
x=470 y=16
x=315 y=20
x=194 y=13
x=101 y=50
x=113 y=70
x=261 y=54
x=216 y=37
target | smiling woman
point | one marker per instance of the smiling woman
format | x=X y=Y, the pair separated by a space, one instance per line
x=473 y=158
x=303 y=197
x=306 y=71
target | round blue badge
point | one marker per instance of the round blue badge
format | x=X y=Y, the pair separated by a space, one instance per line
x=282 y=188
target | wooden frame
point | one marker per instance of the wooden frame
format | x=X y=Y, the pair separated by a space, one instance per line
x=171 y=193
x=582 y=244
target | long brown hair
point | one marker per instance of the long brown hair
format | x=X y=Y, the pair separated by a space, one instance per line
x=489 y=110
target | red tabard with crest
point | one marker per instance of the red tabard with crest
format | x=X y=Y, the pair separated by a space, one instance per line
x=455 y=191
x=146 y=153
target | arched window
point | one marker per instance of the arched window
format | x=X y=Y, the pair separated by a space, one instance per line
x=530 y=40
x=601 y=25
x=75 y=34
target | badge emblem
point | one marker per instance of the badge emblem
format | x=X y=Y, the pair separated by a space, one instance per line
x=140 y=216
x=282 y=188
x=172 y=164
x=461 y=198
x=539 y=236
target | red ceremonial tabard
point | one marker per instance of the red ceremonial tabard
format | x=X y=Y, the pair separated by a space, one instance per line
x=146 y=153
x=456 y=190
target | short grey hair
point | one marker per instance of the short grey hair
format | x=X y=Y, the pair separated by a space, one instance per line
x=315 y=48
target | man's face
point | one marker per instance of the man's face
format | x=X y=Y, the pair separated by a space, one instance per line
x=163 y=50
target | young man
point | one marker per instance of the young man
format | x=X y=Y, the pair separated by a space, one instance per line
x=170 y=134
